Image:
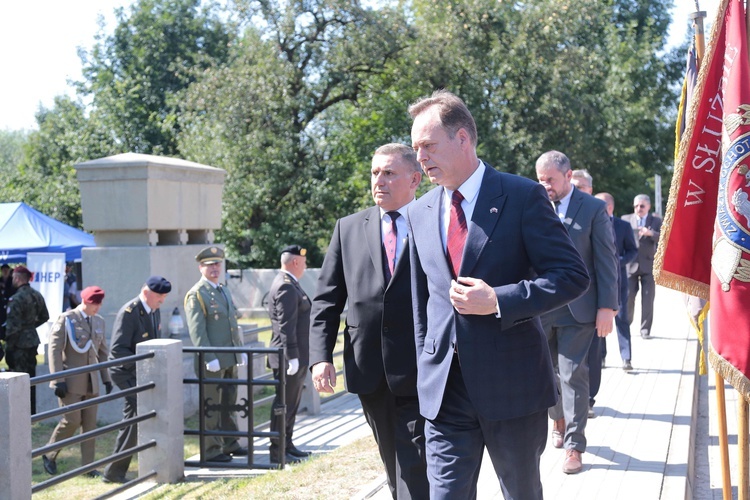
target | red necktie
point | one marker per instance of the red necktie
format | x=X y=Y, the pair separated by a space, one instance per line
x=457 y=231
x=389 y=242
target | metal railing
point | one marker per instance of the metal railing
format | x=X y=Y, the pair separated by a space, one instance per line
x=268 y=375
x=84 y=436
x=246 y=408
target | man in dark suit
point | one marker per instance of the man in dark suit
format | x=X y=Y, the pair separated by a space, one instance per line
x=289 y=309
x=488 y=257
x=137 y=321
x=571 y=329
x=627 y=250
x=367 y=263
x=646 y=228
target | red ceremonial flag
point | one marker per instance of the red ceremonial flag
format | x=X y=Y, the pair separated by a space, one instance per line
x=730 y=263
x=683 y=259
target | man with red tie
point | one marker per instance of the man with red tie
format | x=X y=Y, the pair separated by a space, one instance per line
x=367 y=264
x=484 y=373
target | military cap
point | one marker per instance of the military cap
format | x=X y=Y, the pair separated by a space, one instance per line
x=157 y=284
x=22 y=269
x=210 y=255
x=92 y=295
x=294 y=250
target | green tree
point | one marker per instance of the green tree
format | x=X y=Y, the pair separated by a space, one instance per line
x=134 y=73
x=11 y=152
x=266 y=118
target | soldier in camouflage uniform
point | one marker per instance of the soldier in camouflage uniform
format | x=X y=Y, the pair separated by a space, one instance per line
x=26 y=311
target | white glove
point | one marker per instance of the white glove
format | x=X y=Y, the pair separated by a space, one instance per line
x=293 y=366
x=213 y=365
x=243 y=361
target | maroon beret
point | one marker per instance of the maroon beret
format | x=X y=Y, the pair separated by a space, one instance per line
x=22 y=269
x=92 y=295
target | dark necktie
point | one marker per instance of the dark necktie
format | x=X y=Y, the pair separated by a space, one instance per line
x=223 y=294
x=88 y=321
x=153 y=324
x=457 y=231
x=389 y=242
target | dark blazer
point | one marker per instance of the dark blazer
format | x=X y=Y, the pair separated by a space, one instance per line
x=379 y=331
x=289 y=308
x=518 y=246
x=590 y=229
x=132 y=326
x=646 y=244
x=627 y=249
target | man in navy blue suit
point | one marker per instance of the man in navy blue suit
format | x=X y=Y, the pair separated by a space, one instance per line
x=627 y=251
x=488 y=257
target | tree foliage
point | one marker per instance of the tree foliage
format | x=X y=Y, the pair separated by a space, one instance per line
x=291 y=99
x=154 y=52
x=265 y=117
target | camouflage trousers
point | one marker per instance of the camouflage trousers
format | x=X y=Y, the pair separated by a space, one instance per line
x=23 y=360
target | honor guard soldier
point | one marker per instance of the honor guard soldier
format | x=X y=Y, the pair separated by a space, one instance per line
x=76 y=340
x=137 y=321
x=212 y=322
x=26 y=311
x=289 y=308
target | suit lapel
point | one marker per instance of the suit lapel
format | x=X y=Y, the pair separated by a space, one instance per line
x=576 y=202
x=429 y=221
x=371 y=227
x=487 y=210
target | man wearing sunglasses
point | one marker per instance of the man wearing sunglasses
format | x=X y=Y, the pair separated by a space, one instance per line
x=646 y=227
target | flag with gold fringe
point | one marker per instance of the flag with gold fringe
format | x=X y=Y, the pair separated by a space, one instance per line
x=730 y=262
x=683 y=258
x=697 y=307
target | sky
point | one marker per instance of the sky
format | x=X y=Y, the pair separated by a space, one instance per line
x=39 y=42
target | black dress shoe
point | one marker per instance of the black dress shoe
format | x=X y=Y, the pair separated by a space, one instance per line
x=49 y=465
x=93 y=473
x=239 y=452
x=117 y=480
x=296 y=452
x=290 y=459
x=221 y=457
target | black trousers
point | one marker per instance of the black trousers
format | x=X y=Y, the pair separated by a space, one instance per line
x=127 y=437
x=398 y=429
x=294 y=385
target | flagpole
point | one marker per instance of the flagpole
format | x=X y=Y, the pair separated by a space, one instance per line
x=721 y=407
x=742 y=436
x=699 y=36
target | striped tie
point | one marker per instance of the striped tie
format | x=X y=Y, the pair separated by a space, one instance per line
x=457 y=231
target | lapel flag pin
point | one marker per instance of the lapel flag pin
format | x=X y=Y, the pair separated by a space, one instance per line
x=493 y=210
